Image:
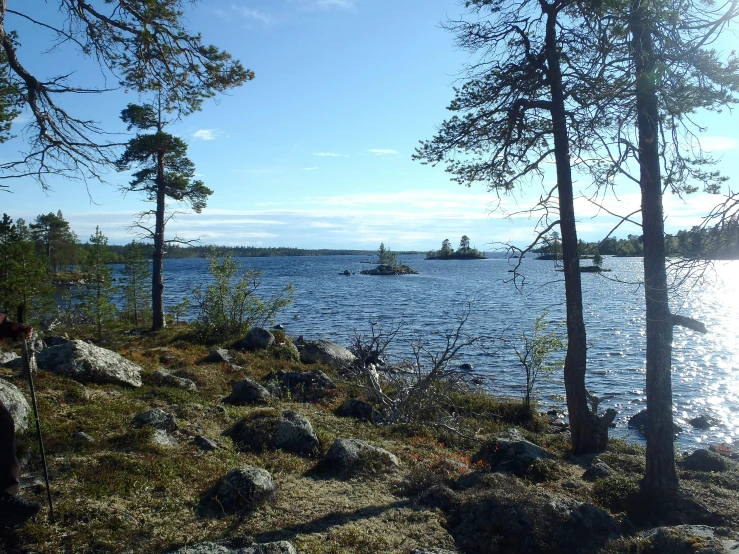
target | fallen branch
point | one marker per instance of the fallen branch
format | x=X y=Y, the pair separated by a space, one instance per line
x=689 y=323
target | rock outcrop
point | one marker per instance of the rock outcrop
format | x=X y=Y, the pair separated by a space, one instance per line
x=311 y=386
x=705 y=460
x=246 y=392
x=17 y=405
x=245 y=488
x=287 y=430
x=256 y=339
x=281 y=547
x=514 y=456
x=165 y=379
x=85 y=362
x=156 y=418
x=359 y=409
x=352 y=456
x=325 y=352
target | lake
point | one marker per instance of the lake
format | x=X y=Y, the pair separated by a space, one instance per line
x=332 y=306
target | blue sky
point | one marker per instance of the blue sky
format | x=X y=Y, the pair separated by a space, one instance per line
x=316 y=151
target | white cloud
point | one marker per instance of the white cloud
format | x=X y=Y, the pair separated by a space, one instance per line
x=206 y=134
x=382 y=151
x=310 y=168
x=715 y=143
x=250 y=13
x=313 y=5
x=328 y=154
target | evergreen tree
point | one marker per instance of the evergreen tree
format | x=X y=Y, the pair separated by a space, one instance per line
x=97 y=299
x=464 y=243
x=164 y=173
x=55 y=239
x=137 y=290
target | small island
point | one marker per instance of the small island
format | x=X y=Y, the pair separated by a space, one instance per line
x=464 y=252
x=388 y=264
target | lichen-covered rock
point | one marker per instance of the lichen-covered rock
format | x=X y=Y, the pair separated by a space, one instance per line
x=6 y=357
x=359 y=409
x=162 y=438
x=688 y=539
x=256 y=339
x=287 y=430
x=350 y=456
x=705 y=460
x=219 y=355
x=246 y=392
x=157 y=418
x=245 y=488
x=204 y=443
x=311 y=386
x=598 y=470
x=432 y=551
x=17 y=405
x=326 y=352
x=285 y=350
x=85 y=362
x=281 y=547
x=514 y=456
x=165 y=379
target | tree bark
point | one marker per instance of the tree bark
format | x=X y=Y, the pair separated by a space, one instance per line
x=588 y=432
x=660 y=477
x=157 y=281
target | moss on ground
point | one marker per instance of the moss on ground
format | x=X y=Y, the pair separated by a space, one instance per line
x=123 y=493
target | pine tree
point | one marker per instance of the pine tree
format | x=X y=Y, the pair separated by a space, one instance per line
x=97 y=299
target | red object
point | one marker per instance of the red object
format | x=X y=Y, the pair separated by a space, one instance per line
x=16 y=331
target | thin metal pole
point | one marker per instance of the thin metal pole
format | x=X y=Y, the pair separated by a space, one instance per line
x=29 y=353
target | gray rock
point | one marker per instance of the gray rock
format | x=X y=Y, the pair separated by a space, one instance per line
x=219 y=355
x=162 y=438
x=257 y=339
x=514 y=456
x=286 y=350
x=157 y=418
x=165 y=379
x=349 y=456
x=432 y=551
x=286 y=430
x=308 y=386
x=204 y=443
x=295 y=434
x=6 y=357
x=705 y=460
x=85 y=362
x=55 y=340
x=598 y=470
x=82 y=437
x=682 y=538
x=246 y=392
x=17 y=405
x=704 y=422
x=512 y=434
x=326 y=352
x=282 y=547
x=727 y=450
x=640 y=421
x=246 y=487
x=359 y=409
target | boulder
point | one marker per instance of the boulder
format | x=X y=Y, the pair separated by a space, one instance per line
x=285 y=350
x=326 y=352
x=688 y=539
x=162 y=438
x=55 y=340
x=359 y=409
x=704 y=422
x=85 y=362
x=514 y=456
x=432 y=551
x=287 y=430
x=256 y=339
x=705 y=460
x=640 y=420
x=351 y=456
x=157 y=418
x=308 y=386
x=82 y=437
x=281 y=547
x=598 y=470
x=245 y=488
x=514 y=518
x=6 y=357
x=17 y=405
x=204 y=443
x=247 y=391
x=728 y=450
x=165 y=379
x=219 y=355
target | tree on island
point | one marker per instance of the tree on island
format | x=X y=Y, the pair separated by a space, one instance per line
x=464 y=252
x=386 y=257
x=464 y=244
x=597 y=259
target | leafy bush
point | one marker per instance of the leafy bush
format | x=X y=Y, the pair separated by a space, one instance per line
x=228 y=306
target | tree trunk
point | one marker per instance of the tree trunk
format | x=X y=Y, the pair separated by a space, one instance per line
x=588 y=434
x=157 y=279
x=660 y=476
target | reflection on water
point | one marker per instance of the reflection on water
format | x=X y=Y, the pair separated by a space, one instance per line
x=332 y=306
